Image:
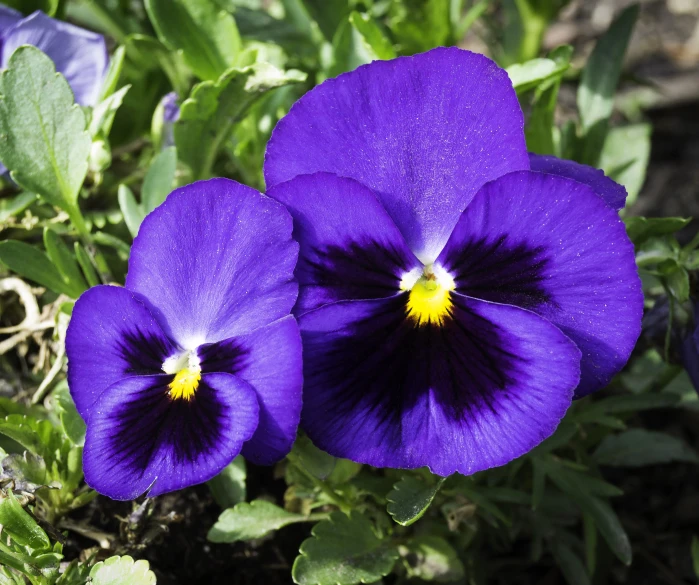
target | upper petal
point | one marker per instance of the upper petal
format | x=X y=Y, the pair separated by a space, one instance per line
x=610 y=191
x=423 y=132
x=269 y=359
x=112 y=335
x=477 y=392
x=350 y=247
x=140 y=438
x=551 y=245
x=8 y=17
x=216 y=260
x=80 y=55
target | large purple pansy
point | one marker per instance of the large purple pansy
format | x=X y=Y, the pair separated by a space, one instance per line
x=452 y=301
x=197 y=359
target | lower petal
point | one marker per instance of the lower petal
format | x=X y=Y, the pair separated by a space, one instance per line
x=139 y=438
x=477 y=392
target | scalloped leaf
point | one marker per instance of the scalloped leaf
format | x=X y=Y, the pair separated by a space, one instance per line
x=122 y=571
x=410 y=498
x=249 y=521
x=343 y=550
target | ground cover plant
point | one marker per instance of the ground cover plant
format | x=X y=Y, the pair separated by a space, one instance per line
x=337 y=292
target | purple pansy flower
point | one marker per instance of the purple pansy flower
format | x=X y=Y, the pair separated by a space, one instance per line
x=452 y=301
x=197 y=359
x=80 y=55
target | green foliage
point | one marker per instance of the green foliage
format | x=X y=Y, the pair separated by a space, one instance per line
x=122 y=571
x=410 y=498
x=638 y=447
x=228 y=487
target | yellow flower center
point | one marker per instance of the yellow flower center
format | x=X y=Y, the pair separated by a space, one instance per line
x=429 y=302
x=185 y=384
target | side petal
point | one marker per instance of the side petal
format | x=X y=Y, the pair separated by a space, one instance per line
x=269 y=359
x=8 y=17
x=475 y=393
x=216 y=260
x=423 y=132
x=112 y=335
x=610 y=191
x=550 y=245
x=80 y=55
x=350 y=247
x=139 y=438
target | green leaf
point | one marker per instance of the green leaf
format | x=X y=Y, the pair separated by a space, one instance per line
x=37 y=436
x=431 y=558
x=420 y=25
x=206 y=35
x=73 y=424
x=157 y=184
x=228 y=487
x=695 y=555
x=21 y=526
x=528 y=75
x=254 y=520
x=65 y=262
x=372 y=36
x=33 y=264
x=601 y=73
x=625 y=155
x=116 y=64
x=211 y=110
x=104 y=112
x=343 y=550
x=42 y=132
x=569 y=563
x=312 y=459
x=131 y=210
x=86 y=265
x=122 y=571
x=328 y=14
x=13 y=205
x=638 y=447
x=410 y=498
x=639 y=229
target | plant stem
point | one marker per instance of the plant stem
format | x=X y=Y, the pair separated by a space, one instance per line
x=76 y=218
x=333 y=496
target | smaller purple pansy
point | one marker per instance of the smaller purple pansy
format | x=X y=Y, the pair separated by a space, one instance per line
x=197 y=359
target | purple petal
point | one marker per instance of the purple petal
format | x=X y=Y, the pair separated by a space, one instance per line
x=8 y=17
x=216 y=260
x=423 y=132
x=112 y=335
x=171 y=109
x=80 y=55
x=610 y=191
x=550 y=245
x=140 y=438
x=486 y=387
x=269 y=359
x=350 y=247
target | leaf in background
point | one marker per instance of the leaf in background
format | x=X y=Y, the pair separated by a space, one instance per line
x=677 y=281
x=410 y=498
x=343 y=550
x=122 y=571
x=21 y=527
x=431 y=558
x=625 y=155
x=254 y=520
x=638 y=447
x=639 y=229
x=602 y=70
x=65 y=262
x=159 y=179
x=111 y=80
x=695 y=555
x=86 y=265
x=207 y=115
x=42 y=131
x=73 y=425
x=104 y=112
x=206 y=35
x=228 y=487
x=316 y=462
x=528 y=75
x=131 y=210
x=33 y=264
x=328 y=14
x=14 y=205
x=570 y=564
x=420 y=25
x=372 y=36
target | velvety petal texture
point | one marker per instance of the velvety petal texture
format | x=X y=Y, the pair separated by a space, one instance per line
x=476 y=393
x=80 y=55
x=424 y=133
x=197 y=359
x=552 y=246
x=610 y=191
x=8 y=17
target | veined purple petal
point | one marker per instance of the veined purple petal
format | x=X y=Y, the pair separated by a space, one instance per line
x=8 y=17
x=610 y=191
x=350 y=247
x=551 y=245
x=112 y=335
x=423 y=132
x=171 y=109
x=475 y=393
x=80 y=55
x=139 y=438
x=216 y=260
